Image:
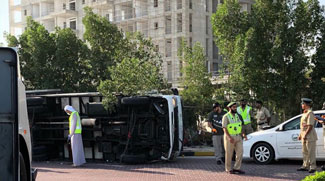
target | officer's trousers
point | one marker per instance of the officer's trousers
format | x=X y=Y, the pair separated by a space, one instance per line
x=309 y=155
x=218 y=145
x=229 y=150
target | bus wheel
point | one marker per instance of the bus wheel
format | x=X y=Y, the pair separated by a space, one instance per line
x=22 y=168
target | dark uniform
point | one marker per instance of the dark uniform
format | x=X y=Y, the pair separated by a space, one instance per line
x=215 y=119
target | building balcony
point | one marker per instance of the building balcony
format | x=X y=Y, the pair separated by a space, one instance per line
x=101 y=4
x=65 y=13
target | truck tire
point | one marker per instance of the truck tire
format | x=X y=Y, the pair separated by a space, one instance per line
x=22 y=168
x=135 y=101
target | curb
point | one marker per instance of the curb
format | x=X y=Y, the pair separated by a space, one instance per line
x=192 y=153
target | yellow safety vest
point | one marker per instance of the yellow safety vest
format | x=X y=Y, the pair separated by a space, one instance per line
x=235 y=125
x=245 y=114
x=78 y=125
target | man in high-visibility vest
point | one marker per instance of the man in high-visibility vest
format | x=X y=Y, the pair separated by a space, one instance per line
x=233 y=139
x=74 y=136
x=246 y=113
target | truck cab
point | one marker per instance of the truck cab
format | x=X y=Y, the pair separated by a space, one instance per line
x=15 y=140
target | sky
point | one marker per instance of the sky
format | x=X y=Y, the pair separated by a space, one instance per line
x=4 y=18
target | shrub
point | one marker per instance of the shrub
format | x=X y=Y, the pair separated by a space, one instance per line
x=319 y=176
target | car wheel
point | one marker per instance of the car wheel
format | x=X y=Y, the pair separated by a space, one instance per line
x=22 y=168
x=263 y=153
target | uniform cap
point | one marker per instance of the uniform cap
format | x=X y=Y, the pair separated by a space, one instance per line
x=231 y=104
x=306 y=100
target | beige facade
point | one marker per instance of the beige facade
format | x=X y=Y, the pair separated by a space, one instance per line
x=165 y=21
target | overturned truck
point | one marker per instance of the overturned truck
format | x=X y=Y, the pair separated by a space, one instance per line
x=140 y=129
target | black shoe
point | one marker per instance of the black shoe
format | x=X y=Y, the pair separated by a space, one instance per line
x=302 y=169
x=323 y=167
x=239 y=171
x=231 y=172
x=312 y=171
x=219 y=162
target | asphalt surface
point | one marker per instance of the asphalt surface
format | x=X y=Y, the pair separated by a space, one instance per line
x=184 y=168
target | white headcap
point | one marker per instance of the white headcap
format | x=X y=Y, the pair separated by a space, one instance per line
x=69 y=108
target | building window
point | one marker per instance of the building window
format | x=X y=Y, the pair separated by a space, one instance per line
x=157 y=48
x=156 y=25
x=83 y=1
x=215 y=50
x=207 y=47
x=190 y=4
x=179 y=4
x=169 y=71
x=25 y=12
x=107 y=17
x=167 y=5
x=207 y=25
x=72 y=6
x=168 y=47
x=190 y=42
x=179 y=22
x=64 y=24
x=221 y=1
x=190 y=23
x=73 y=23
x=206 y=5
x=214 y=6
x=215 y=68
x=155 y=3
x=64 y=6
x=168 y=24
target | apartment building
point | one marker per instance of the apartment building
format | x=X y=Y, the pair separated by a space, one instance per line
x=165 y=21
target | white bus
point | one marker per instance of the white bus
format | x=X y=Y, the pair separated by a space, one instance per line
x=15 y=141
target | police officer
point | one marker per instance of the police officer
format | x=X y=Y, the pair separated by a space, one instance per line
x=233 y=138
x=308 y=137
x=246 y=113
x=215 y=123
x=263 y=116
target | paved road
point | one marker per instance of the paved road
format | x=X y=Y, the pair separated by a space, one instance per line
x=186 y=168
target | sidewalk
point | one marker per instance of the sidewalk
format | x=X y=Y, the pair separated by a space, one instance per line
x=198 y=151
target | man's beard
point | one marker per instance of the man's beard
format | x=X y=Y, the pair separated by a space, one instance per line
x=234 y=111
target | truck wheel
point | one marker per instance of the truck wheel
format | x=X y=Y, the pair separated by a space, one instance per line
x=22 y=168
x=135 y=100
x=263 y=153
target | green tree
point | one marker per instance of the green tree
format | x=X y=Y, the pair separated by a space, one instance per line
x=131 y=77
x=71 y=65
x=106 y=43
x=57 y=60
x=317 y=76
x=269 y=49
x=36 y=52
x=196 y=80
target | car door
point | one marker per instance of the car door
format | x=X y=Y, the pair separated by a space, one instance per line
x=288 y=145
x=320 y=142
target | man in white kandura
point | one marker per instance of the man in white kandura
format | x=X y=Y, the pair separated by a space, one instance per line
x=75 y=137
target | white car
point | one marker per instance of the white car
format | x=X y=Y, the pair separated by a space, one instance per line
x=281 y=142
